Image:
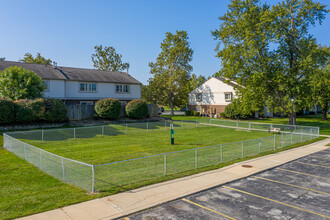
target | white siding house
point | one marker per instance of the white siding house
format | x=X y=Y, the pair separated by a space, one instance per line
x=212 y=97
x=82 y=86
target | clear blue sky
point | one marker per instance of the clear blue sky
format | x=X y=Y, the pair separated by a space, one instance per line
x=66 y=31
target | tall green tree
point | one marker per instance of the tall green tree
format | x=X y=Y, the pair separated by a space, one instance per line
x=267 y=49
x=28 y=58
x=171 y=71
x=108 y=59
x=195 y=81
x=320 y=80
x=19 y=83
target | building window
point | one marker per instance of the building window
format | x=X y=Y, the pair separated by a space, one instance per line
x=86 y=103
x=45 y=83
x=198 y=97
x=88 y=87
x=122 y=88
x=228 y=96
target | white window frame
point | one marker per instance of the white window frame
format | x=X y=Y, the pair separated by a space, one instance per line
x=199 y=97
x=230 y=96
x=44 y=83
x=88 y=87
x=86 y=103
x=123 y=88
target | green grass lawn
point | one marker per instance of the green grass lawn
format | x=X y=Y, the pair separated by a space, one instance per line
x=25 y=190
x=117 y=146
x=308 y=120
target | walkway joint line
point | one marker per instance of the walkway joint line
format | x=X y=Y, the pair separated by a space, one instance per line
x=292 y=171
x=272 y=200
x=196 y=204
x=288 y=184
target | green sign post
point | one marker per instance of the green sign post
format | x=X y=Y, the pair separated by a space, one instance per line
x=172 y=133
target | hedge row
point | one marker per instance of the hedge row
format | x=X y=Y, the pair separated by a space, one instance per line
x=24 y=111
x=110 y=108
x=191 y=113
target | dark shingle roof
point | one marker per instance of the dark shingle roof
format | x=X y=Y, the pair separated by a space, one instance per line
x=45 y=72
x=74 y=74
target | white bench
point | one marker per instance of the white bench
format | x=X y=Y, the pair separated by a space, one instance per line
x=277 y=130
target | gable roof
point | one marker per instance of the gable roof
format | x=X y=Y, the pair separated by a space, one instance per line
x=73 y=74
x=220 y=78
x=227 y=81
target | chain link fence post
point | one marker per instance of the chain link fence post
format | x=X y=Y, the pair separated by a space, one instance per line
x=249 y=126
x=102 y=130
x=282 y=141
x=74 y=133
x=259 y=145
x=164 y=164
x=242 y=149
x=274 y=141
x=291 y=137
x=63 y=171
x=93 y=179
x=195 y=158
x=11 y=144
x=221 y=153
x=42 y=135
x=40 y=159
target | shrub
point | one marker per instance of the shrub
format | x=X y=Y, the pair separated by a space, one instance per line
x=187 y=113
x=37 y=108
x=230 y=111
x=222 y=115
x=55 y=111
x=137 y=109
x=235 y=110
x=195 y=113
x=23 y=112
x=7 y=111
x=108 y=108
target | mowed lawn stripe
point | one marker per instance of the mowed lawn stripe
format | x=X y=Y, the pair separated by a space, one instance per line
x=106 y=149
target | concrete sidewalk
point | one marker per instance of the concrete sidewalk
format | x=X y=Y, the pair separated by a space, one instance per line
x=125 y=203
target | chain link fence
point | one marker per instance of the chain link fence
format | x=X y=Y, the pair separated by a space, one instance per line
x=103 y=177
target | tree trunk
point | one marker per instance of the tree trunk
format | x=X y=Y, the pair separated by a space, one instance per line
x=325 y=113
x=292 y=118
x=172 y=111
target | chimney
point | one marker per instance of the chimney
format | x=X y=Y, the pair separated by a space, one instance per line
x=54 y=64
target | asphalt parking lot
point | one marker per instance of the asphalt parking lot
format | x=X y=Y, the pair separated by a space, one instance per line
x=296 y=190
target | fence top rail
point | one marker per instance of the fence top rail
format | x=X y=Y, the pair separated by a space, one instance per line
x=137 y=122
x=37 y=148
x=301 y=126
